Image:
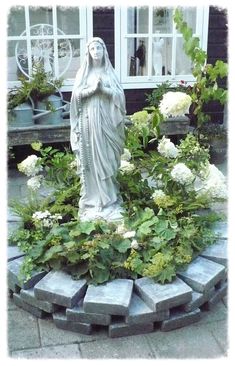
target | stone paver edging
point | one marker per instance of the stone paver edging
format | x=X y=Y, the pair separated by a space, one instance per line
x=123 y=306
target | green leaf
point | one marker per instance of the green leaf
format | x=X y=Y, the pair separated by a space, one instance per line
x=145 y=227
x=78 y=269
x=51 y=252
x=87 y=227
x=121 y=246
x=167 y=274
x=100 y=276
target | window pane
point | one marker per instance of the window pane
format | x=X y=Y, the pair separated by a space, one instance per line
x=162 y=56
x=137 y=19
x=16 y=21
x=68 y=19
x=40 y=15
x=137 y=56
x=69 y=60
x=162 y=20
x=190 y=17
x=183 y=62
x=43 y=52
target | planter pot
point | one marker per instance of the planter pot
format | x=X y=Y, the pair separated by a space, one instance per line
x=21 y=116
x=218 y=151
x=51 y=117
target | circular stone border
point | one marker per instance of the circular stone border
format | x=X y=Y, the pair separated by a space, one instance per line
x=124 y=307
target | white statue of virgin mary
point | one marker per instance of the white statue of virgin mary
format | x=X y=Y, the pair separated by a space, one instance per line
x=97 y=116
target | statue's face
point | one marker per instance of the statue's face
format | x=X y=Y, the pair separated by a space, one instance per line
x=96 y=51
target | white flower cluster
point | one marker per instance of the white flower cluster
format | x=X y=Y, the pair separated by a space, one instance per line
x=182 y=174
x=126 y=167
x=34 y=183
x=128 y=235
x=211 y=183
x=46 y=218
x=158 y=194
x=126 y=156
x=167 y=149
x=30 y=166
x=175 y=104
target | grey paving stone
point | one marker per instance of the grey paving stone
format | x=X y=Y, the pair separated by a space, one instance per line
x=198 y=299
x=180 y=319
x=218 y=295
x=10 y=304
x=78 y=314
x=193 y=342
x=217 y=252
x=121 y=329
x=220 y=332
x=13 y=252
x=31 y=309
x=61 y=321
x=221 y=228
x=13 y=269
x=29 y=297
x=22 y=330
x=112 y=297
x=202 y=274
x=162 y=297
x=59 y=288
x=119 y=348
x=67 y=351
x=13 y=287
x=216 y=313
x=139 y=312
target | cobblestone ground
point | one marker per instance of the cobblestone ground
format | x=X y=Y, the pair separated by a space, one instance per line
x=33 y=338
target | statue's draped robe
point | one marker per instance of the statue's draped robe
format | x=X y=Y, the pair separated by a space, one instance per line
x=97 y=137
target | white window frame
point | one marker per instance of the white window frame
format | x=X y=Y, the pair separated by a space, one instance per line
x=86 y=32
x=150 y=81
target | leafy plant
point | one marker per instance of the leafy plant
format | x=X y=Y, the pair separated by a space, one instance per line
x=39 y=86
x=206 y=87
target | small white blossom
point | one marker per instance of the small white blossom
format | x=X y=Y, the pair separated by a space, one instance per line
x=182 y=174
x=126 y=156
x=129 y=234
x=73 y=164
x=46 y=218
x=134 y=244
x=167 y=149
x=34 y=183
x=126 y=167
x=121 y=229
x=30 y=166
x=158 y=193
x=175 y=104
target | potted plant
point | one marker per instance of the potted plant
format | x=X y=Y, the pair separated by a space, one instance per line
x=214 y=136
x=39 y=91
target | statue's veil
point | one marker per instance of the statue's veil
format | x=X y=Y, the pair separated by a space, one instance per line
x=119 y=108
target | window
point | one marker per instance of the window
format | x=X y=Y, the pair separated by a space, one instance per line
x=149 y=49
x=54 y=36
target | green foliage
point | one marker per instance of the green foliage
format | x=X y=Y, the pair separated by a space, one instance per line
x=39 y=86
x=206 y=87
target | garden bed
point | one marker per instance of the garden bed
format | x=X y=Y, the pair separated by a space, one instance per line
x=123 y=306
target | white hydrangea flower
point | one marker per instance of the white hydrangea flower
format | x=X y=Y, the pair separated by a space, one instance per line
x=30 y=166
x=134 y=244
x=129 y=234
x=167 y=149
x=34 y=183
x=175 y=104
x=211 y=183
x=182 y=174
x=126 y=167
x=158 y=193
x=126 y=156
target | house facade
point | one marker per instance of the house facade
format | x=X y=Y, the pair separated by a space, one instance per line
x=143 y=44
